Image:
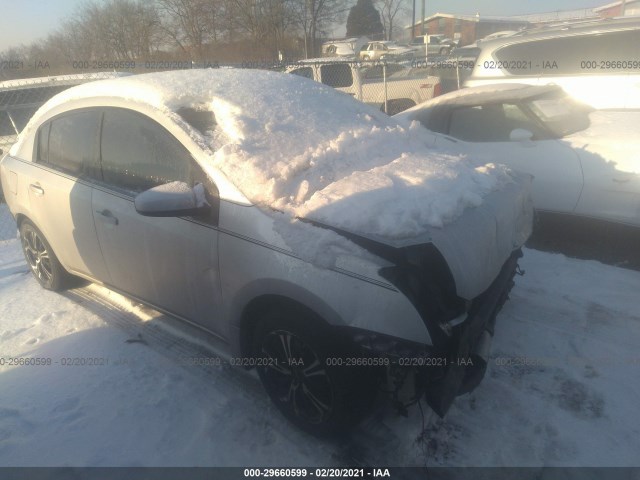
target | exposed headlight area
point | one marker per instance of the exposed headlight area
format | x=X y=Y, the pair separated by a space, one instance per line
x=423 y=276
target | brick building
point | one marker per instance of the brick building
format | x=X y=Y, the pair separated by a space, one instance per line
x=469 y=28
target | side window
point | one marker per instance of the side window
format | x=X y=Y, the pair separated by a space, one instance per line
x=42 y=155
x=486 y=123
x=138 y=153
x=517 y=118
x=337 y=75
x=306 y=72
x=72 y=142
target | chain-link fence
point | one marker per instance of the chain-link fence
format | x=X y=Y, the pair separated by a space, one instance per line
x=391 y=86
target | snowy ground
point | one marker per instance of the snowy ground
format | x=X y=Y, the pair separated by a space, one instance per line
x=572 y=326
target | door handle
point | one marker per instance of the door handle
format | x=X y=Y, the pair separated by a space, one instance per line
x=107 y=217
x=37 y=189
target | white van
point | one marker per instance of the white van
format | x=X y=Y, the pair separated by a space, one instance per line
x=596 y=62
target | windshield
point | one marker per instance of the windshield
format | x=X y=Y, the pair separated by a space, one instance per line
x=560 y=113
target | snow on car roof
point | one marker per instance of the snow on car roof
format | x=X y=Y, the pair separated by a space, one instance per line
x=298 y=146
x=20 y=83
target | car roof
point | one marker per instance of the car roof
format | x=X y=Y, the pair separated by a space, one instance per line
x=495 y=93
x=50 y=81
x=585 y=27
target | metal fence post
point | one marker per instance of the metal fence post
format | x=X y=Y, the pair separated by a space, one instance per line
x=384 y=81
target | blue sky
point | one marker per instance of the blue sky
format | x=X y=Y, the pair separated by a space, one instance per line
x=24 y=21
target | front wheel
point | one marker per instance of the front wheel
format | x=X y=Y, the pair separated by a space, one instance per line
x=295 y=366
x=44 y=264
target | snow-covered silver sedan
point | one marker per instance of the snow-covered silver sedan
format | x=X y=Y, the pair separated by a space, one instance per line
x=585 y=162
x=323 y=241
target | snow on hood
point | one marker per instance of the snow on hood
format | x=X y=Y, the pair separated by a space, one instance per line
x=297 y=146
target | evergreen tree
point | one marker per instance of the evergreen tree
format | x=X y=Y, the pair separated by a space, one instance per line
x=364 y=20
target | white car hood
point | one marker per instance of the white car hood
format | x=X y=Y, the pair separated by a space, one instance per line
x=612 y=135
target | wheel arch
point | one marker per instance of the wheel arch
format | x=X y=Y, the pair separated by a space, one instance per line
x=296 y=298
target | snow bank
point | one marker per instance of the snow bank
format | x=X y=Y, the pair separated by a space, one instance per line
x=297 y=146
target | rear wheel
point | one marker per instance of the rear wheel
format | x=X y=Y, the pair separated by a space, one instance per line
x=297 y=369
x=44 y=264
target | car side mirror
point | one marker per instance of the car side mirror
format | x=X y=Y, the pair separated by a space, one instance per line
x=175 y=199
x=520 y=135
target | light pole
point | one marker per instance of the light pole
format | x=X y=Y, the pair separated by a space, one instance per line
x=413 y=21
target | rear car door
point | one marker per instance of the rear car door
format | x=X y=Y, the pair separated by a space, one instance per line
x=484 y=131
x=60 y=188
x=170 y=262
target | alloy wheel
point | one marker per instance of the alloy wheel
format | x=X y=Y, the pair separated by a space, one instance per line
x=298 y=377
x=37 y=255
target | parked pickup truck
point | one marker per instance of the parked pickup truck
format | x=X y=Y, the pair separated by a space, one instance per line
x=405 y=87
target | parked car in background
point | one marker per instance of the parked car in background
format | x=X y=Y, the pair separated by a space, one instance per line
x=584 y=161
x=327 y=245
x=385 y=50
x=436 y=45
x=349 y=47
x=500 y=34
x=596 y=62
x=404 y=88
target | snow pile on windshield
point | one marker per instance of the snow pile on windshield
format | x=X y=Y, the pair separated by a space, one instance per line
x=300 y=147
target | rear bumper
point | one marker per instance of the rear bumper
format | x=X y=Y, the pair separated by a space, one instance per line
x=467 y=357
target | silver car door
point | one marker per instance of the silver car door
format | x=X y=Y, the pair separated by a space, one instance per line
x=169 y=262
x=59 y=188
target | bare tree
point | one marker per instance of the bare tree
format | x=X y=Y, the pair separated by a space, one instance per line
x=315 y=15
x=192 y=24
x=389 y=10
x=114 y=30
x=267 y=23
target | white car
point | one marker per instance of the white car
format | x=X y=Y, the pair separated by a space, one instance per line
x=594 y=61
x=326 y=244
x=585 y=162
x=385 y=50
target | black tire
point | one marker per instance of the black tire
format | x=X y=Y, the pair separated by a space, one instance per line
x=397 y=106
x=43 y=263
x=316 y=396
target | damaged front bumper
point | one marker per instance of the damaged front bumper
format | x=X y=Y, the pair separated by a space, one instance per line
x=469 y=350
x=456 y=363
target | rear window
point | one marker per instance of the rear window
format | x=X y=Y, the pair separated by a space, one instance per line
x=336 y=76
x=580 y=54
